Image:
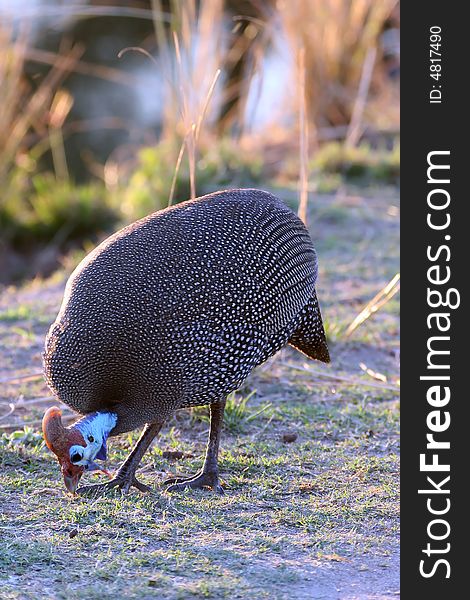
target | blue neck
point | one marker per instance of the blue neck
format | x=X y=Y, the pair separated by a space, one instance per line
x=95 y=429
x=97 y=424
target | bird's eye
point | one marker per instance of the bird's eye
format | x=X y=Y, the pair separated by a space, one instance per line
x=91 y=438
x=76 y=457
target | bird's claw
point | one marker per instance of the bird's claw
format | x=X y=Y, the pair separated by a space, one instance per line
x=123 y=482
x=198 y=482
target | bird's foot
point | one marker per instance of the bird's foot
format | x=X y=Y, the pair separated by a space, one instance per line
x=200 y=481
x=123 y=481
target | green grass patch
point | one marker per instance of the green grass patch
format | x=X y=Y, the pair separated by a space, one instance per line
x=361 y=163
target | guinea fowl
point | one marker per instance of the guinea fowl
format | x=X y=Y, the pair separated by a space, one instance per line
x=175 y=311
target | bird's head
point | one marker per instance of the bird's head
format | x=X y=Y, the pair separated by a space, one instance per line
x=75 y=449
x=67 y=444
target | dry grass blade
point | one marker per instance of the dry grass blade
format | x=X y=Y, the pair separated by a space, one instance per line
x=42 y=144
x=175 y=174
x=75 y=11
x=206 y=103
x=187 y=56
x=22 y=108
x=34 y=401
x=22 y=378
x=15 y=423
x=374 y=374
x=61 y=106
x=188 y=140
x=11 y=409
x=85 y=68
x=344 y=379
x=375 y=304
x=35 y=423
x=355 y=129
x=187 y=51
x=138 y=49
x=20 y=404
x=303 y=141
x=195 y=131
x=336 y=35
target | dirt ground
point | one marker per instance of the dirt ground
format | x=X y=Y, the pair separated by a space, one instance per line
x=316 y=518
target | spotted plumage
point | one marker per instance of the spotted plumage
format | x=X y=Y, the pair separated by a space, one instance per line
x=178 y=308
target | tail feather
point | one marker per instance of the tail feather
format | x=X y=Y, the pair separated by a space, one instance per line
x=309 y=337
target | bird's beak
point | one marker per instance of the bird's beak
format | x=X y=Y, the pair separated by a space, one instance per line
x=71 y=483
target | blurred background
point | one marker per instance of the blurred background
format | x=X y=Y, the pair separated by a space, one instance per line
x=110 y=110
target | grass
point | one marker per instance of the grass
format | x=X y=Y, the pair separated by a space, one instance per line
x=16 y=313
x=283 y=501
x=25 y=107
x=239 y=412
x=37 y=210
x=148 y=187
x=50 y=212
x=195 y=46
x=299 y=519
x=336 y=37
x=358 y=163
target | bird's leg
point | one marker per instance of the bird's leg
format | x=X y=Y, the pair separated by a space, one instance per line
x=124 y=477
x=209 y=476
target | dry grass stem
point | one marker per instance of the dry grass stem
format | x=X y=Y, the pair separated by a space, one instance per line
x=344 y=379
x=355 y=126
x=374 y=374
x=22 y=378
x=303 y=138
x=375 y=304
x=188 y=51
x=11 y=409
x=85 y=68
x=23 y=109
x=336 y=36
x=175 y=174
x=139 y=50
